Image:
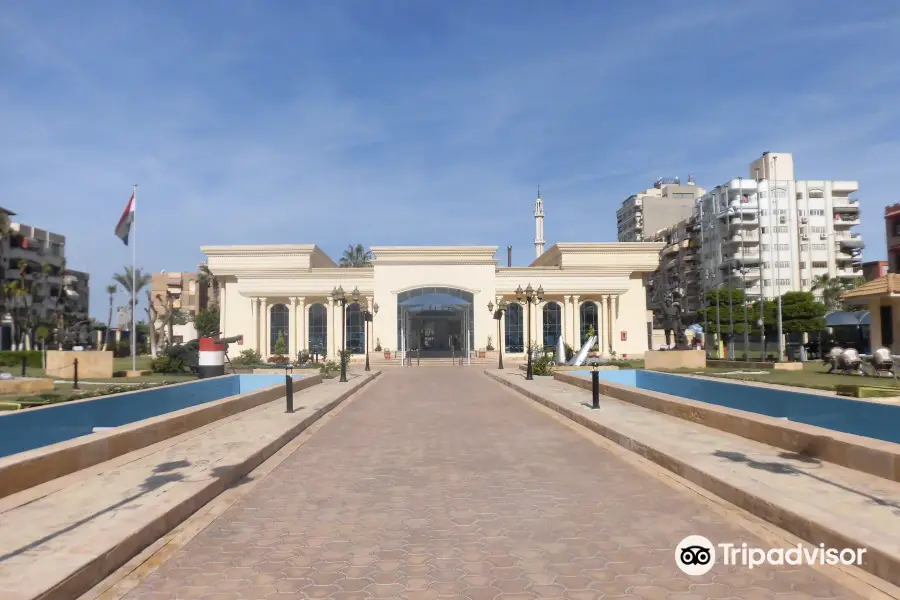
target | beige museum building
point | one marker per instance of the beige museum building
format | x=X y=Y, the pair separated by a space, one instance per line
x=434 y=298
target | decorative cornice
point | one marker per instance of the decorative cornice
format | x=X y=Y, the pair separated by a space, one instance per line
x=417 y=255
x=260 y=250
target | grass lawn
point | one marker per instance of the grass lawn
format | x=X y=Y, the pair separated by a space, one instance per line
x=812 y=376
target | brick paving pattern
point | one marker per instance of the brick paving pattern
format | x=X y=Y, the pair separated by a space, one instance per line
x=440 y=483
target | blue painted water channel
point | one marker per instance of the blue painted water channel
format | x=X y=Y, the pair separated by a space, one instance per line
x=33 y=428
x=870 y=419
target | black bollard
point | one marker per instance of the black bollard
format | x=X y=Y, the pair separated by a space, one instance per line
x=289 y=392
x=595 y=389
x=75 y=382
x=24 y=365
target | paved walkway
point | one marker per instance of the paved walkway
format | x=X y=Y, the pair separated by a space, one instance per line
x=440 y=482
x=809 y=497
x=68 y=533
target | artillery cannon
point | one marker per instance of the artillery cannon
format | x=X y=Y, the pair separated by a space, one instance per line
x=205 y=357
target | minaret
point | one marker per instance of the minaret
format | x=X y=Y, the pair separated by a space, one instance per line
x=539 y=225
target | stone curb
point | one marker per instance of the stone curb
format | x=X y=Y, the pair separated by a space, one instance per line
x=25 y=470
x=875 y=457
x=877 y=562
x=95 y=570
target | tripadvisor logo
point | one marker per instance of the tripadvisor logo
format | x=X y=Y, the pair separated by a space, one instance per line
x=695 y=555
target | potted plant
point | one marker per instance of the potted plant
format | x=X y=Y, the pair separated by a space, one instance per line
x=490 y=345
x=387 y=353
x=377 y=344
x=482 y=353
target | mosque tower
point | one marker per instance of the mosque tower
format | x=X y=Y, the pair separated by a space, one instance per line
x=539 y=224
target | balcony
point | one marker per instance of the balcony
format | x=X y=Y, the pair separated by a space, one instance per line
x=844 y=204
x=849 y=273
x=849 y=240
x=846 y=220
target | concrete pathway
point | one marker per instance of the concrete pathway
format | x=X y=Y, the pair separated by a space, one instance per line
x=819 y=501
x=60 y=538
x=440 y=482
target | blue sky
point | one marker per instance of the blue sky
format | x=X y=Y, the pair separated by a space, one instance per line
x=408 y=122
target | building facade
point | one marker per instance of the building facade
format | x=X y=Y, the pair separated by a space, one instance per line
x=892 y=235
x=433 y=299
x=26 y=250
x=676 y=283
x=643 y=216
x=771 y=234
x=186 y=293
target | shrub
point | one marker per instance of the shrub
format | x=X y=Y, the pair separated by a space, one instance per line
x=569 y=352
x=543 y=365
x=206 y=322
x=278 y=359
x=490 y=345
x=329 y=368
x=377 y=344
x=13 y=358
x=122 y=349
x=168 y=364
x=247 y=358
x=279 y=345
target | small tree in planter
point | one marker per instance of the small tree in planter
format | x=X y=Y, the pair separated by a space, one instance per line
x=490 y=345
x=377 y=344
x=279 y=358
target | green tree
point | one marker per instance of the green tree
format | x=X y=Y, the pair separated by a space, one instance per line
x=832 y=288
x=355 y=257
x=206 y=280
x=111 y=291
x=730 y=303
x=280 y=350
x=800 y=313
x=133 y=281
x=206 y=322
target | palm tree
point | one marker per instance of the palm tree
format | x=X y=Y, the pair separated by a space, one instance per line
x=832 y=288
x=111 y=290
x=356 y=256
x=133 y=281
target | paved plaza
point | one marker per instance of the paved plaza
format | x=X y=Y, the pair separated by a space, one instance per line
x=438 y=482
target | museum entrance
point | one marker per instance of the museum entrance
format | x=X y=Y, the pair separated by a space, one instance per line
x=435 y=321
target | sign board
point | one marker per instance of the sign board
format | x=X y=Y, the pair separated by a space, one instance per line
x=624 y=336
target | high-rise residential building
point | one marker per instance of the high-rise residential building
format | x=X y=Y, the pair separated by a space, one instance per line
x=892 y=235
x=770 y=233
x=644 y=214
x=26 y=249
x=676 y=283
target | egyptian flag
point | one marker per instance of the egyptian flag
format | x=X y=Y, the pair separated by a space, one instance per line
x=123 y=229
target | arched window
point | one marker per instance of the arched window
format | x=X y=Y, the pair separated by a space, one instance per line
x=588 y=312
x=279 y=327
x=356 y=329
x=318 y=329
x=515 y=328
x=552 y=324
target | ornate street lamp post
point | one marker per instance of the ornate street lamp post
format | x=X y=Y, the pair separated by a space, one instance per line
x=338 y=295
x=369 y=316
x=498 y=314
x=530 y=296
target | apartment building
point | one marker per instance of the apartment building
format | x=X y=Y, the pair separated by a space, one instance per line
x=771 y=233
x=892 y=235
x=187 y=294
x=677 y=280
x=42 y=251
x=668 y=202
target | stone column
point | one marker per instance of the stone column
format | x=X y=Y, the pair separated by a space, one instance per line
x=222 y=321
x=266 y=329
x=292 y=329
x=539 y=324
x=613 y=322
x=254 y=335
x=576 y=323
x=330 y=345
x=566 y=327
x=501 y=336
x=302 y=328
x=603 y=326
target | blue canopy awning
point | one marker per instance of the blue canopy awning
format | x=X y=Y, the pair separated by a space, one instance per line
x=840 y=318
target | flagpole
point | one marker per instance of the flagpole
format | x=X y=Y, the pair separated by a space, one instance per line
x=133 y=277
